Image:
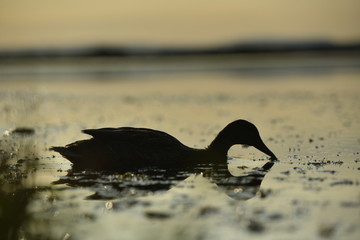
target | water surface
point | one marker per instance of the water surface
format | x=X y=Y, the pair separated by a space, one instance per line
x=308 y=116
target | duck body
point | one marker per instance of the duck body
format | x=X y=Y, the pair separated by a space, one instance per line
x=128 y=148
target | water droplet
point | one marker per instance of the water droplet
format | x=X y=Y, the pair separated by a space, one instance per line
x=108 y=205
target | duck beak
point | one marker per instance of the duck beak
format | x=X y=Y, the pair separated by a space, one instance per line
x=262 y=147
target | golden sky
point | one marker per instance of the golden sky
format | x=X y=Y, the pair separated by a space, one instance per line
x=49 y=23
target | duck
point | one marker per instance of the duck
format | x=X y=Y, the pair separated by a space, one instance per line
x=130 y=148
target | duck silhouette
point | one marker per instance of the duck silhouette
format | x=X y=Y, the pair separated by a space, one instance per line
x=128 y=148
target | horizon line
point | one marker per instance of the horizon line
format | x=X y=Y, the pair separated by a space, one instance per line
x=249 y=47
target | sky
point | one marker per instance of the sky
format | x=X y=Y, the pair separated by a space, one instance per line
x=69 y=23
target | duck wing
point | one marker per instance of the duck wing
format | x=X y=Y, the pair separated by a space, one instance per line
x=130 y=134
x=139 y=146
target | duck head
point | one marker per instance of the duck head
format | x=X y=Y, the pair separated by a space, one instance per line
x=240 y=132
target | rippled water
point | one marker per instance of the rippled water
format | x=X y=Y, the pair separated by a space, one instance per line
x=310 y=121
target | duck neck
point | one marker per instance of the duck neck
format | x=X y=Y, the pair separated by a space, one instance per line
x=219 y=145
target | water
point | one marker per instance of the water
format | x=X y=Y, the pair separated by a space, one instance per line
x=307 y=115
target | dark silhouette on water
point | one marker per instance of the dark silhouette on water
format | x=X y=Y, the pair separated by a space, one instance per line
x=126 y=148
x=140 y=160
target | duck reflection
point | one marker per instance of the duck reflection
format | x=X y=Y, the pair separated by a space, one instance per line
x=142 y=182
x=141 y=160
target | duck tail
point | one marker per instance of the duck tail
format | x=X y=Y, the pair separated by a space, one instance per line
x=64 y=151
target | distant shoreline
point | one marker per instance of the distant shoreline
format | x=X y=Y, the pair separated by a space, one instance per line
x=239 y=48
